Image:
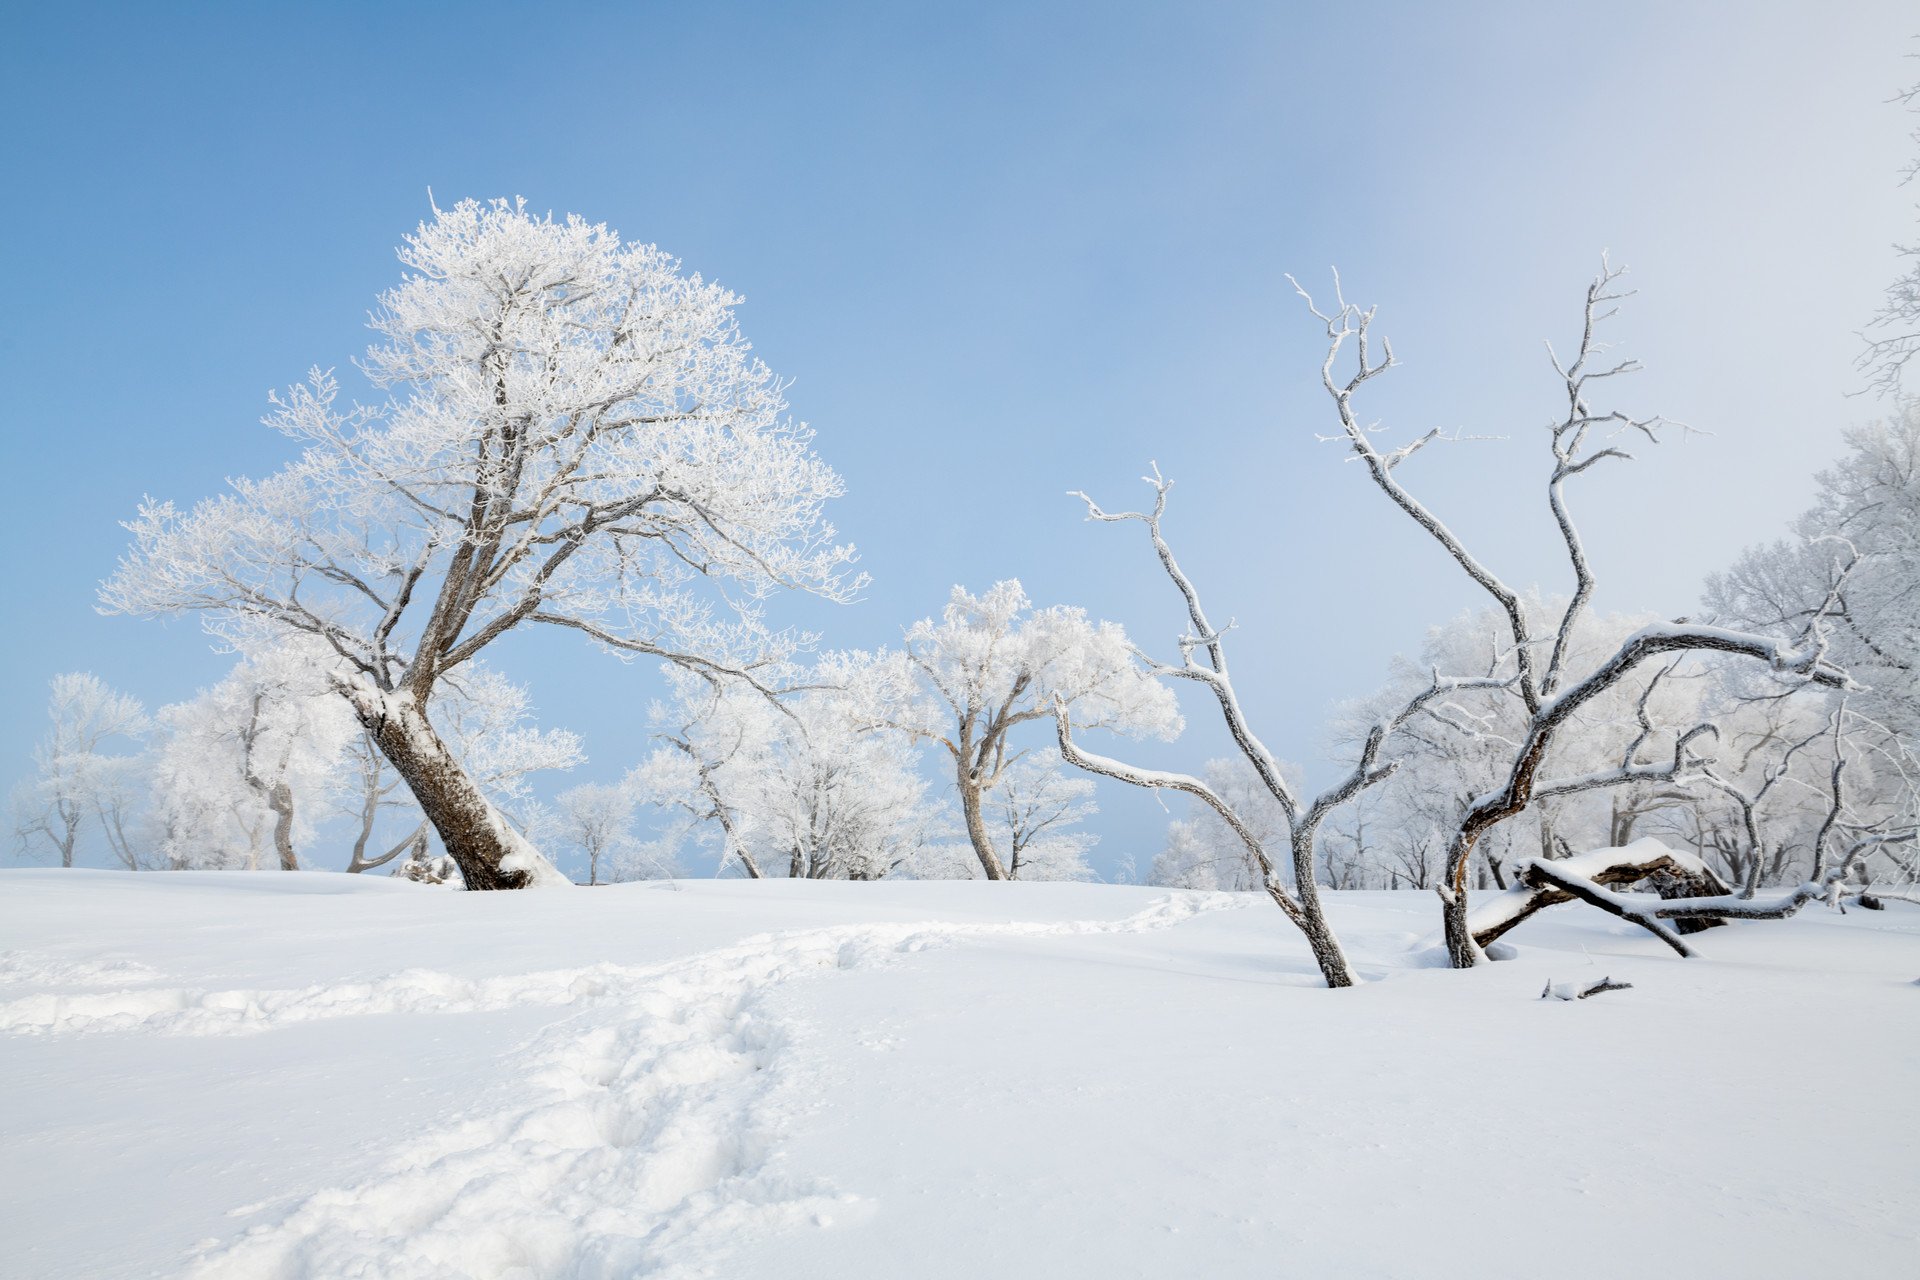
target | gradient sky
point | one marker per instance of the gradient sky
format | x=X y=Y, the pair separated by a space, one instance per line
x=1003 y=251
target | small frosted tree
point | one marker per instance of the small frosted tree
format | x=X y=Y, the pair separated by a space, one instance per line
x=992 y=664
x=597 y=819
x=72 y=777
x=577 y=437
x=817 y=783
x=241 y=767
x=1031 y=813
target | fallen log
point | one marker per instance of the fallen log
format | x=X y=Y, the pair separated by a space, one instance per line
x=1589 y=877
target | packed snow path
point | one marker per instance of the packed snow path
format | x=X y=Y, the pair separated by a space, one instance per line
x=1110 y=1082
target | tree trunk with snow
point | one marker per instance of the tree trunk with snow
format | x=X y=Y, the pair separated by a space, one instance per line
x=488 y=851
x=973 y=807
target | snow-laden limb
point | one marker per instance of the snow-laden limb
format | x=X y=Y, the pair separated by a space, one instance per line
x=1552 y=695
x=1582 y=990
x=1566 y=879
x=577 y=436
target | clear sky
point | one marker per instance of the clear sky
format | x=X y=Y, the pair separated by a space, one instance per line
x=1004 y=251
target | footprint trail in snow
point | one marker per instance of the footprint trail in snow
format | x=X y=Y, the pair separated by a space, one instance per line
x=642 y=1136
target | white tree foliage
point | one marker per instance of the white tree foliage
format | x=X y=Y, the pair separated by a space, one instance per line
x=1030 y=815
x=241 y=770
x=73 y=778
x=994 y=663
x=577 y=437
x=1893 y=334
x=815 y=787
x=597 y=820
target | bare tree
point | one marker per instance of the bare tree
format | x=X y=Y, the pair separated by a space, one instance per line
x=1551 y=693
x=1303 y=819
x=371 y=790
x=579 y=439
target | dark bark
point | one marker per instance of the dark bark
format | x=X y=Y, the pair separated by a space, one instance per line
x=1550 y=887
x=469 y=827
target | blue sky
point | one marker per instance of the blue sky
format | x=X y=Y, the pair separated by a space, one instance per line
x=1003 y=251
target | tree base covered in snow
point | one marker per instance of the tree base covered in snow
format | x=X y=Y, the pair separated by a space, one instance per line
x=231 y=1075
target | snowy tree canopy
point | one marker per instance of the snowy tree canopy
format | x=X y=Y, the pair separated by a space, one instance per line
x=577 y=436
x=993 y=663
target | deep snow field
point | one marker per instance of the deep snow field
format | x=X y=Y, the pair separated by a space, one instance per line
x=315 y=1075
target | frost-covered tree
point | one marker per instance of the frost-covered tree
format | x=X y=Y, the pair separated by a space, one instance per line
x=816 y=785
x=1030 y=814
x=1204 y=852
x=241 y=768
x=703 y=769
x=73 y=778
x=576 y=436
x=1893 y=334
x=1552 y=686
x=994 y=663
x=597 y=819
x=1867 y=505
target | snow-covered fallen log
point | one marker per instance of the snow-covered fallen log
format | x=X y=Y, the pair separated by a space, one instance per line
x=1689 y=893
x=1542 y=884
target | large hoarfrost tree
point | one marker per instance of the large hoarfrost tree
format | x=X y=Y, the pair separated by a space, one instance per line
x=992 y=663
x=577 y=436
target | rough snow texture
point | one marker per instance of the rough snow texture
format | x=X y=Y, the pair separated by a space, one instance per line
x=232 y=1075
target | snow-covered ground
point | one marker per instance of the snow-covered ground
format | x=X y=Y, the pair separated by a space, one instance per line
x=274 y=1075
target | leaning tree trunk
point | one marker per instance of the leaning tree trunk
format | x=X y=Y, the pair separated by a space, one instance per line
x=488 y=851
x=970 y=805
